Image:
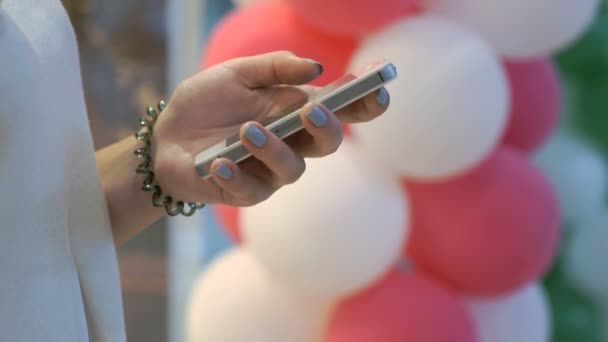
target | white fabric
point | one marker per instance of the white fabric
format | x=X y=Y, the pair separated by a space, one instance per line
x=59 y=277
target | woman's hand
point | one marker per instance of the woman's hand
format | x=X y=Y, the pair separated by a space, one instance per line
x=237 y=95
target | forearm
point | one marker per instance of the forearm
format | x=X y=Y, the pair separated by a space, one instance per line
x=130 y=208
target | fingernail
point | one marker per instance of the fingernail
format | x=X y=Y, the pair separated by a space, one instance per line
x=317 y=116
x=382 y=97
x=256 y=136
x=317 y=64
x=224 y=172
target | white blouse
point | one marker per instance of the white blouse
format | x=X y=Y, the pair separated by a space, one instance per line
x=58 y=272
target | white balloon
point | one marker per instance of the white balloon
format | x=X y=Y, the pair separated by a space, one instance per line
x=448 y=106
x=235 y=300
x=577 y=173
x=522 y=28
x=523 y=316
x=586 y=257
x=336 y=230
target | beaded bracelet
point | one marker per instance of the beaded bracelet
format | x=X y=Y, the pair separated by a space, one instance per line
x=172 y=207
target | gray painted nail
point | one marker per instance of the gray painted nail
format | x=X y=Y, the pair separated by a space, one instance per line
x=317 y=116
x=382 y=97
x=224 y=172
x=256 y=136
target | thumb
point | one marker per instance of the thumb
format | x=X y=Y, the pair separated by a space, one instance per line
x=275 y=68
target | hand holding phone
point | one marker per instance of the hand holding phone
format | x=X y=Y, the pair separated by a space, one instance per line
x=334 y=96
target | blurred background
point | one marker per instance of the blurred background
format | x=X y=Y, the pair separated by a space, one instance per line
x=133 y=52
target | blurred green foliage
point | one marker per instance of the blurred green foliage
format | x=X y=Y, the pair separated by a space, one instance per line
x=575 y=316
x=584 y=69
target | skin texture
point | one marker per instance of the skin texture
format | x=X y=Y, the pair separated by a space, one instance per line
x=205 y=109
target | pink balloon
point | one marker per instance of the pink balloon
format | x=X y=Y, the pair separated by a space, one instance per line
x=535 y=103
x=488 y=232
x=229 y=218
x=402 y=307
x=268 y=27
x=353 y=17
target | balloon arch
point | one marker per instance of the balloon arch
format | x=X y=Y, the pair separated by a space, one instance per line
x=432 y=223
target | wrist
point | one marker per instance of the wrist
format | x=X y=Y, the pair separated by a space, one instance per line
x=145 y=168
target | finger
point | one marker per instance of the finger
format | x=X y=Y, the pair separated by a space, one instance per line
x=239 y=188
x=275 y=68
x=286 y=167
x=323 y=133
x=365 y=109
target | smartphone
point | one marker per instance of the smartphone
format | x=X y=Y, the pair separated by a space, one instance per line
x=334 y=96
